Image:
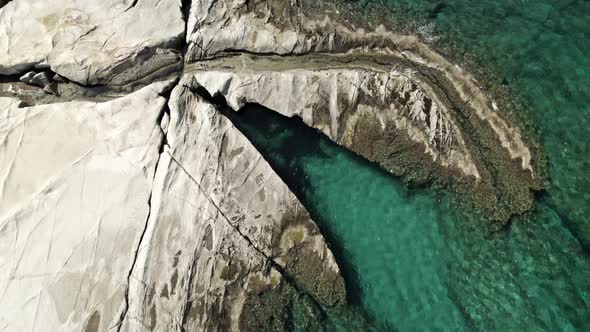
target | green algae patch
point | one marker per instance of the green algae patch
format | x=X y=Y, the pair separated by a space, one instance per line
x=300 y=248
x=278 y=308
x=325 y=286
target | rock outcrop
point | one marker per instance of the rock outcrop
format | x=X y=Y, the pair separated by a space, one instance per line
x=152 y=211
x=92 y=42
x=224 y=233
x=94 y=235
x=390 y=97
x=75 y=184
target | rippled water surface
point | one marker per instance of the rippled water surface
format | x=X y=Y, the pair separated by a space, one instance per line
x=412 y=261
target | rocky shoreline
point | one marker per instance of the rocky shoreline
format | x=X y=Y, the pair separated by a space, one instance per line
x=111 y=139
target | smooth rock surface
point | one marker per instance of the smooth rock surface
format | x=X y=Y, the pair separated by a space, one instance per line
x=91 y=42
x=75 y=182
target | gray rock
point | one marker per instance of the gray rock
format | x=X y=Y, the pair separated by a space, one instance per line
x=41 y=79
x=28 y=78
x=52 y=88
x=58 y=78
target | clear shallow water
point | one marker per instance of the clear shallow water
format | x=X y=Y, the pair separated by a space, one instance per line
x=411 y=260
x=541 y=47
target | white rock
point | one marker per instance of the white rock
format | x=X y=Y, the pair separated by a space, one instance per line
x=284 y=27
x=75 y=180
x=333 y=101
x=90 y=42
x=220 y=213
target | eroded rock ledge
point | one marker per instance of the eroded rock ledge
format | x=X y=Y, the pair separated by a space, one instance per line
x=388 y=97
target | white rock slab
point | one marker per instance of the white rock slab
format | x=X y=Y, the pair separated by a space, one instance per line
x=220 y=213
x=285 y=27
x=75 y=181
x=90 y=42
x=334 y=100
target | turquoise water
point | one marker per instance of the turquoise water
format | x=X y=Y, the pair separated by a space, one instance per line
x=541 y=48
x=410 y=259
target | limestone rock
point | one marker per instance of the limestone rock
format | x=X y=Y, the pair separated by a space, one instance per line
x=487 y=157
x=75 y=182
x=338 y=101
x=222 y=225
x=217 y=27
x=389 y=113
x=91 y=42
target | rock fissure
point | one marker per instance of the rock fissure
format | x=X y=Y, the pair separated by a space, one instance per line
x=161 y=147
x=273 y=263
x=132 y=5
